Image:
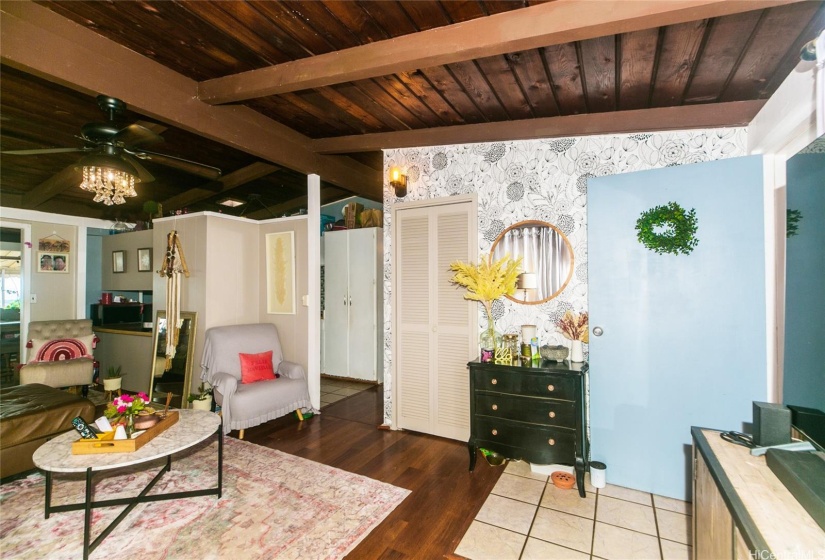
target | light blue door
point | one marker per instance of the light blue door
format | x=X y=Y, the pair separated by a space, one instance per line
x=684 y=336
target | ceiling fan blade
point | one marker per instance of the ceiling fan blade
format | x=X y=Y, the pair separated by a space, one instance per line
x=43 y=151
x=136 y=135
x=199 y=169
x=143 y=174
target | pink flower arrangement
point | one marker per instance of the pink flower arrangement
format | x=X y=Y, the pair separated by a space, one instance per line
x=125 y=405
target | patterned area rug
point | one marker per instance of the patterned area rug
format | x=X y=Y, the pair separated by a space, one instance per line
x=274 y=505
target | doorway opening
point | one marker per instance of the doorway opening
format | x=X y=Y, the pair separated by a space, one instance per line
x=11 y=303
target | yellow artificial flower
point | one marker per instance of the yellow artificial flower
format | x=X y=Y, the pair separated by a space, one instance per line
x=487 y=281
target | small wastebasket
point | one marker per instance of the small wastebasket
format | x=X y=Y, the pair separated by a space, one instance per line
x=597 y=474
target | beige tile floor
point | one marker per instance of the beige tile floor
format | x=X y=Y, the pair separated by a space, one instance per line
x=333 y=390
x=526 y=517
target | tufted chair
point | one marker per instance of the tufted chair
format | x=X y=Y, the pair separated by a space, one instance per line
x=60 y=354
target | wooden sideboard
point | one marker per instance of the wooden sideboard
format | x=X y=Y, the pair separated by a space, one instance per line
x=534 y=412
x=742 y=511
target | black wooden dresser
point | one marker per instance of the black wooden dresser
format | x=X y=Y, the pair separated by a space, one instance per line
x=533 y=412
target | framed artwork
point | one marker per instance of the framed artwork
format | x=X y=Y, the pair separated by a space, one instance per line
x=118 y=261
x=49 y=261
x=54 y=244
x=280 y=273
x=144 y=260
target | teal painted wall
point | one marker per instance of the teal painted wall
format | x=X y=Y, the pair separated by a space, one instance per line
x=804 y=369
x=94 y=266
x=684 y=339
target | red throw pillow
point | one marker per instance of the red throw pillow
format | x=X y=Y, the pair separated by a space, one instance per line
x=61 y=349
x=257 y=367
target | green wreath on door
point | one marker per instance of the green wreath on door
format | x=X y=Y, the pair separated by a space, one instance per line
x=668 y=229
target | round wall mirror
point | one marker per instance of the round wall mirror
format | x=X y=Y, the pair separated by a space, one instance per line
x=547 y=259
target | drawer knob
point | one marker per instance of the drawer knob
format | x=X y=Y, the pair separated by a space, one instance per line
x=495 y=432
x=552 y=414
x=495 y=407
x=551 y=441
x=494 y=381
x=551 y=388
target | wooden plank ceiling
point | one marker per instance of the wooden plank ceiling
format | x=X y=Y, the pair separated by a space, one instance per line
x=353 y=77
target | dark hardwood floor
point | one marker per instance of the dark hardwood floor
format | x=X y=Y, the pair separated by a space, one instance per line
x=445 y=495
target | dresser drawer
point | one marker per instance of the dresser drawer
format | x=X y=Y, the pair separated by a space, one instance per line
x=538 y=442
x=559 y=386
x=552 y=412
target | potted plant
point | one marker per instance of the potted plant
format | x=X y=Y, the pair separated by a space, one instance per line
x=113 y=378
x=202 y=400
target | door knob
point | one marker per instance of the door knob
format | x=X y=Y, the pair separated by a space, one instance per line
x=598 y=331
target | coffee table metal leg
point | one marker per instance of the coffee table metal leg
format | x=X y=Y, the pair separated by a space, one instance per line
x=87 y=515
x=220 y=460
x=48 y=493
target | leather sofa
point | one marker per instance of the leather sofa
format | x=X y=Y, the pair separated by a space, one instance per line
x=30 y=415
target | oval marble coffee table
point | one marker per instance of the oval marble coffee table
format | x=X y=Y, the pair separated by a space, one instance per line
x=55 y=456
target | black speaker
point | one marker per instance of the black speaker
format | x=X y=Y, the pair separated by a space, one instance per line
x=771 y=424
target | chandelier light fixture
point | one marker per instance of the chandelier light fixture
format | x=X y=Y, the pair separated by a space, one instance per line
x=110 y=178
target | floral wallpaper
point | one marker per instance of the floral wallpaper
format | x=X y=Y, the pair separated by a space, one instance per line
x=536 y=180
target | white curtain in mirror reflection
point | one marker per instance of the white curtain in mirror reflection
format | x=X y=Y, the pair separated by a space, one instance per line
x=545 y=254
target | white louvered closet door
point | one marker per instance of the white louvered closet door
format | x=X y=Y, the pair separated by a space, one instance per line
x=436 y=327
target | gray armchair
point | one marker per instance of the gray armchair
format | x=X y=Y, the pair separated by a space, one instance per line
x=244 y=405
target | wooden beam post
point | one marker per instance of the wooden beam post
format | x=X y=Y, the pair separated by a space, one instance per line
x=711 y=115
x=551 y=23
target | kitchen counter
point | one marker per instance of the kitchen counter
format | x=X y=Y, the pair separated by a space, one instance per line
x=130 y=346
x=134 y=329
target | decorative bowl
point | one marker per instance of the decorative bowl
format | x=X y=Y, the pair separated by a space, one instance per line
x=555 y=353
x=563 y=480
x=143 y=422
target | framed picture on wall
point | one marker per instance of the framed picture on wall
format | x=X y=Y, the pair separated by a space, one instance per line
x=144 y=260
x=280 y=273
x=118 y=261
x=49 y=261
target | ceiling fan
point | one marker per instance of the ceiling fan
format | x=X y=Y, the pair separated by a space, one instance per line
x=110 y=147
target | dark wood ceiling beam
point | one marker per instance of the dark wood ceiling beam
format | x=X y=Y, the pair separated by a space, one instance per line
x=51 y=187
x=98 y=211
x=715 y=115
x=78 y=58
x=551 y=23
x=228 y=182
x=293 y=205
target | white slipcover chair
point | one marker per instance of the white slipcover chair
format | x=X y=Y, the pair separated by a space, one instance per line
x=244 y=405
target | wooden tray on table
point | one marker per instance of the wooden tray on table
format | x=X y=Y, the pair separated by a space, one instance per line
x=102 y=445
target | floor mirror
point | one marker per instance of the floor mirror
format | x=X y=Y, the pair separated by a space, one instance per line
x=172 y=376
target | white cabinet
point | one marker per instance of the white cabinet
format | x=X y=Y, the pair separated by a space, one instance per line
x=353 y=304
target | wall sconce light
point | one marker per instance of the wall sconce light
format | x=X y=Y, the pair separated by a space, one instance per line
x=526 y=281
x=398 y=181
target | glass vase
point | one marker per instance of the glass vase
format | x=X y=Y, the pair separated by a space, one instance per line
x=130 y=425
x=488 y=341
